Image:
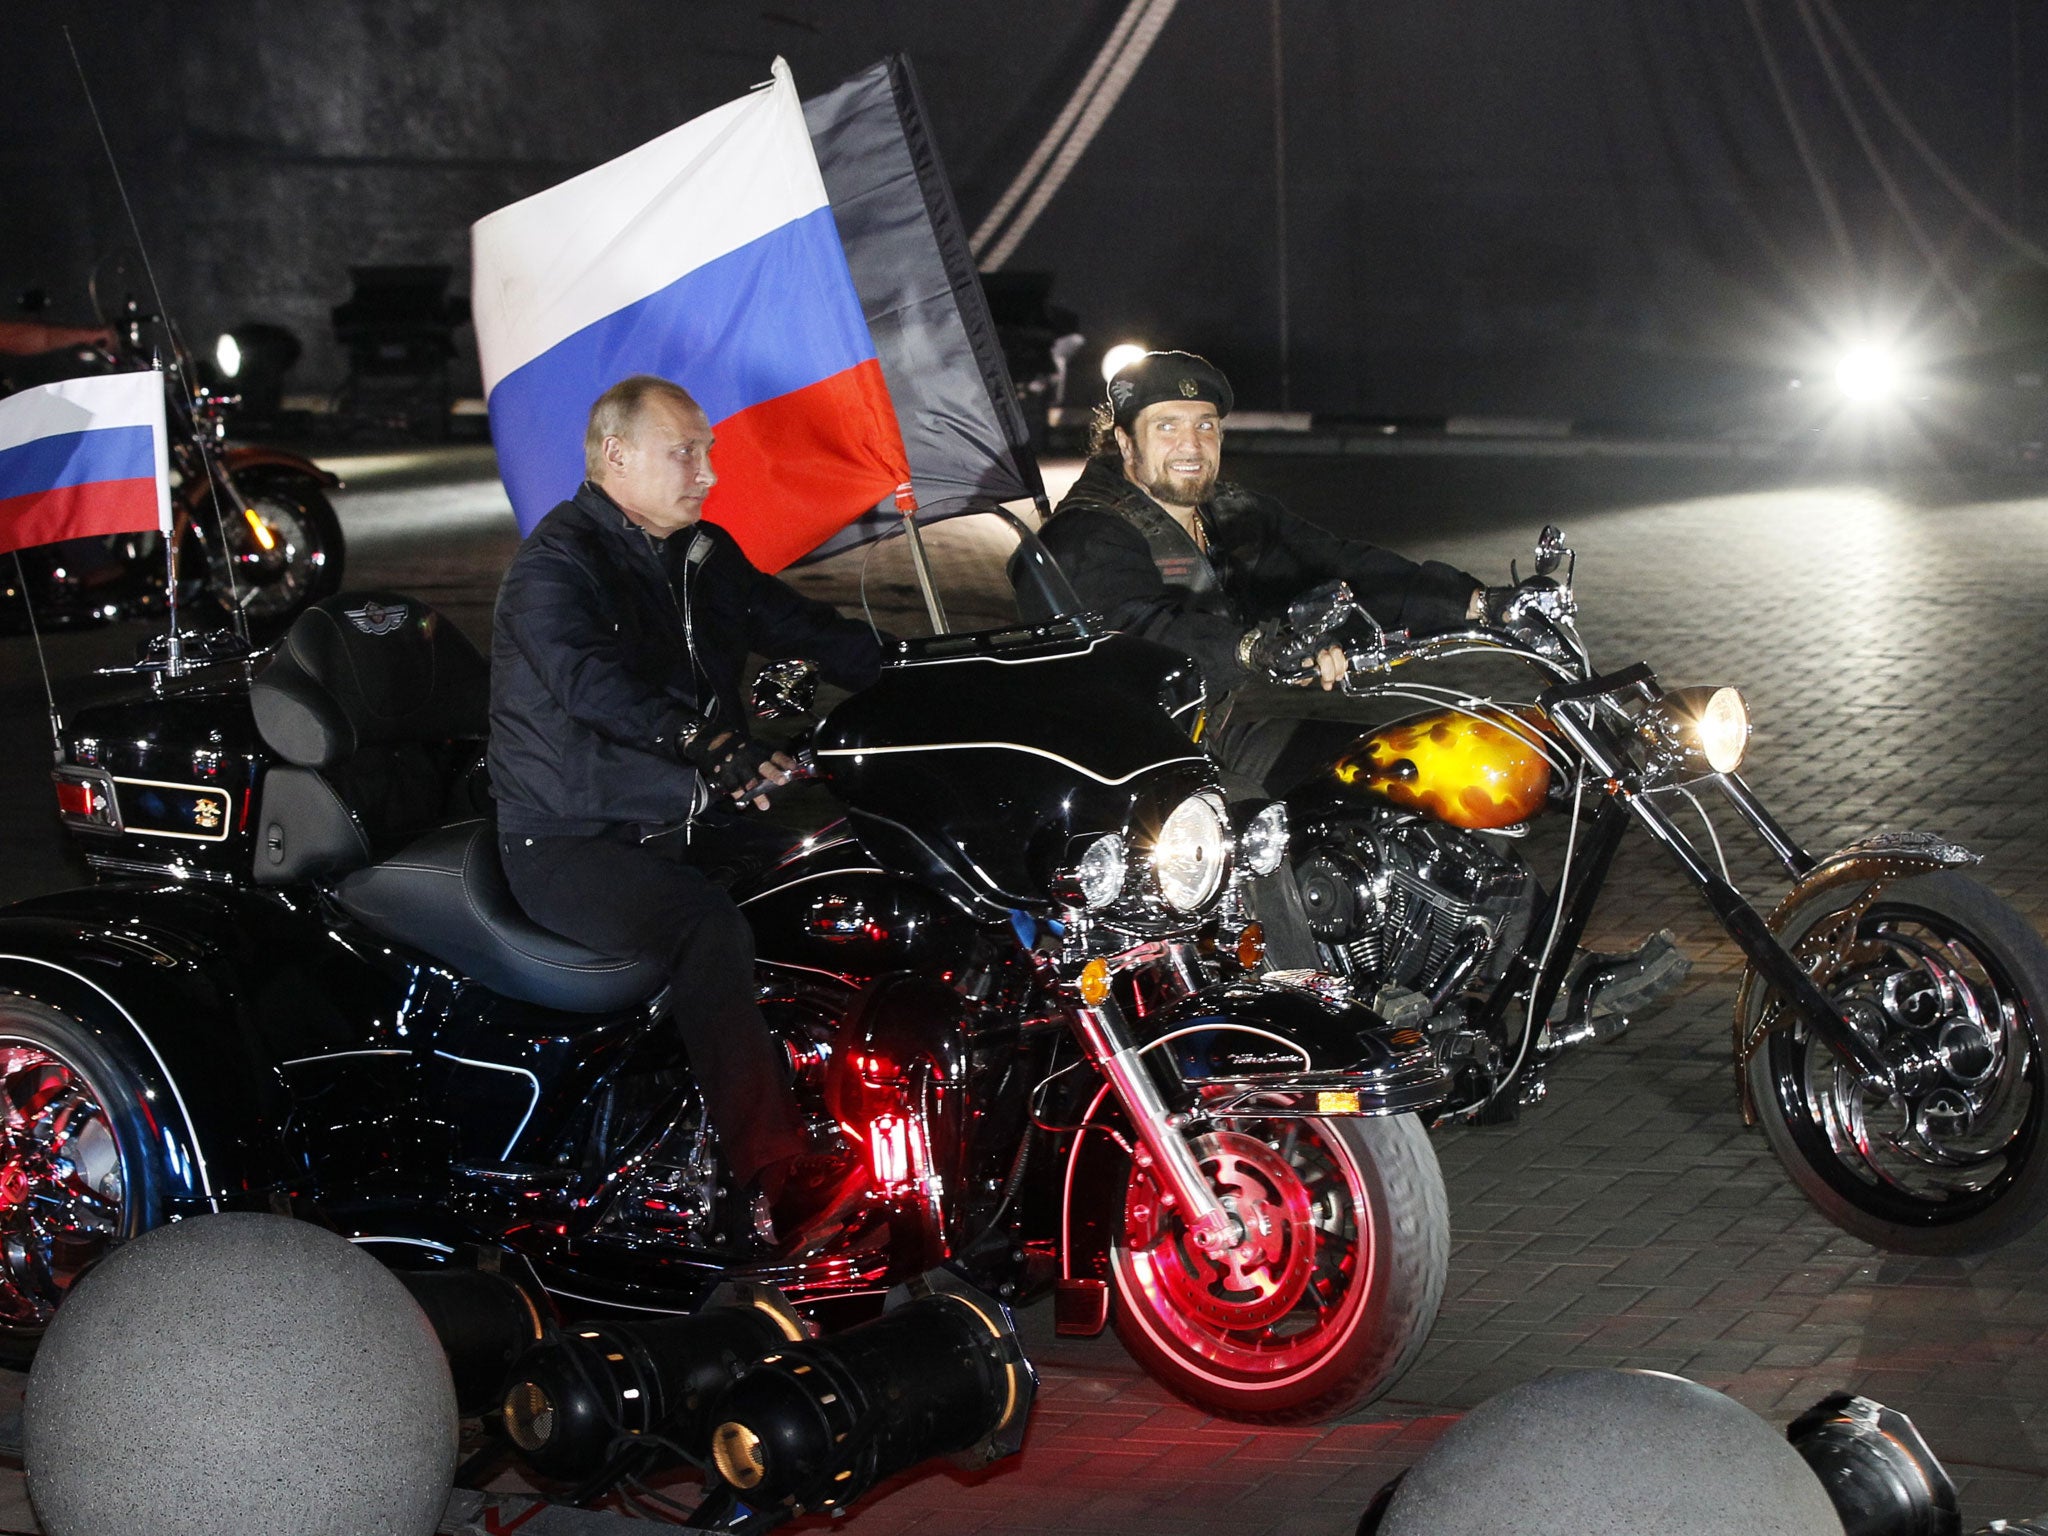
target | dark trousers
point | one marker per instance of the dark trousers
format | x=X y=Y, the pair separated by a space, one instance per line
x=652 y=900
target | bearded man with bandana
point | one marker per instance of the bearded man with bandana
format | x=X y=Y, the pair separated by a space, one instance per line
x=1154 y=541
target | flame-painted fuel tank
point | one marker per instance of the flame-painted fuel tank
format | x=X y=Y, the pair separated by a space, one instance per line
x=1469 y=772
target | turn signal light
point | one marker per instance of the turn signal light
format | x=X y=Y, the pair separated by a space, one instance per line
x=1094 y=983
x=1251 y=946
x=1337 y=1101
x=261 y=529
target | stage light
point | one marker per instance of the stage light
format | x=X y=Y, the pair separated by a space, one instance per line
x=484 y=1321
x=254 y=358
x=1878 y=1472
x=1120 y=357
x=814 y=1426
x=1868 y=374
x=604 y=1390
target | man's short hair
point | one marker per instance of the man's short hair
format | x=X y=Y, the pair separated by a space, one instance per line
x=617 y=412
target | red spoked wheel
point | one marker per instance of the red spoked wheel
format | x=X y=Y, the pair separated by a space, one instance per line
x=1332 y=1290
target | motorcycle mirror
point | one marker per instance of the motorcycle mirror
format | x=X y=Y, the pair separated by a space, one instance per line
x=1550 y=549
x=1320 y=609
x=785 y=688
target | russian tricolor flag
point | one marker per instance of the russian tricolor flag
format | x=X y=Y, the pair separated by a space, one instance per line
x=82 y=458
x=708 y=256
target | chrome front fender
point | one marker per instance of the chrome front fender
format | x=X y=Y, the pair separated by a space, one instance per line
x=1873 y=863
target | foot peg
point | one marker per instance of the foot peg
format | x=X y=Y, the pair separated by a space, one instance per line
x=1603 y=994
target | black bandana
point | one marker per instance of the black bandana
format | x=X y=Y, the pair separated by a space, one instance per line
x=1161 y=376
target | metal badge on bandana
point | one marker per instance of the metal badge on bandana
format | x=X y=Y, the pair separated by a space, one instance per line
x=375 y=618
x=1189 y=389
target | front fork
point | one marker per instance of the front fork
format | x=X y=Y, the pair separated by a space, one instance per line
x=1107 y=1040
x=1743 y=923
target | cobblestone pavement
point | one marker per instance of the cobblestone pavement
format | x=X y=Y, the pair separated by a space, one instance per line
x=1889 y=639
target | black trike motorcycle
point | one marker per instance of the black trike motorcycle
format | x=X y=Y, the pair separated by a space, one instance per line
x=1016 y=984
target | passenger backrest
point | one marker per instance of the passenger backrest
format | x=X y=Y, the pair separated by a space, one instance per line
x=363 y=699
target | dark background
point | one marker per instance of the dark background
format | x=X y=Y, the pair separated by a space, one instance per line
x=1568 y=208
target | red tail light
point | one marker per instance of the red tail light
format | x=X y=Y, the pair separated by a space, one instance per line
x=74 y=798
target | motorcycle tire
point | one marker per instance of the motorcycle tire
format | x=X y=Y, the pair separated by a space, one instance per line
x=1953 y=982
x=1330 y=1299
x=273 y=582
x=79 y=1170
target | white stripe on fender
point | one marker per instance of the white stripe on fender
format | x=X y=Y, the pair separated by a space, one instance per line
x=1007 y=746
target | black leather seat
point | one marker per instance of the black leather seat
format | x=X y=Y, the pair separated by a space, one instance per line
x=446 y=894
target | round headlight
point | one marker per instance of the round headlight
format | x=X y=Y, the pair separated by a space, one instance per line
x=227 y=354
x=1188 y=858
x=1263 y=843
x=1699 y=731
x=1724 y=730
x=1100 y=873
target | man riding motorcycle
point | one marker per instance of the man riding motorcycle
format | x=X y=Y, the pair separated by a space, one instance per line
x=619 y=750
x=1157 y=542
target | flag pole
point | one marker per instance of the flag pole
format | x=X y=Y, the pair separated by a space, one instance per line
x=906 y=503
x=174 y=652
x=42 y=663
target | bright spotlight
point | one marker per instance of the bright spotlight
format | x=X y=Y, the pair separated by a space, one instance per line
x=1868 y=374
x=227 y=352
x=1120 y=357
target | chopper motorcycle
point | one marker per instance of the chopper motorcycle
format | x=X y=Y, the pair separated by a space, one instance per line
x=1011 y=985
x=254 y=531
x=1888 y=1027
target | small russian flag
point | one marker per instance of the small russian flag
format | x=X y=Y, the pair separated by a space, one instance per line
x=82 y=458
x=708 y=256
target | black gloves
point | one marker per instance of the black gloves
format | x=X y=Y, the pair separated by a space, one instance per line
x=1281 y=652
x=1273 y=653
x=729 y=762
x=1493 y=602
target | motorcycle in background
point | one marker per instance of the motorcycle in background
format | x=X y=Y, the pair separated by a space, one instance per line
x=254 y=530
x=1888 y=1029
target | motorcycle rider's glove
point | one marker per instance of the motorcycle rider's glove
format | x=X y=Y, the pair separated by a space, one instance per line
x=730 y=762
x=1274 y=651
x=1493 y=603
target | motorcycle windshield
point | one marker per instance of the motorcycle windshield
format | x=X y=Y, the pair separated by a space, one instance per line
x=982 y=570
x=1000 y=740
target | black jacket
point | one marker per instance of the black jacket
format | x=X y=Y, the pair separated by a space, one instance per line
x=1261 y=557
x=595 y=686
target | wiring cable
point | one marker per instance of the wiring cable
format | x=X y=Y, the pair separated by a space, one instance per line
x=1976 y=206
x=1831 y=211
x=1937 y=264
x=1061 y=125
x=1137 y=43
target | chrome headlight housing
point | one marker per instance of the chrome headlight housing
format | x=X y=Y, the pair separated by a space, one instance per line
x=1192 y=852
x=1098 y=875
x=1698 y=731
x=1262 y=845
